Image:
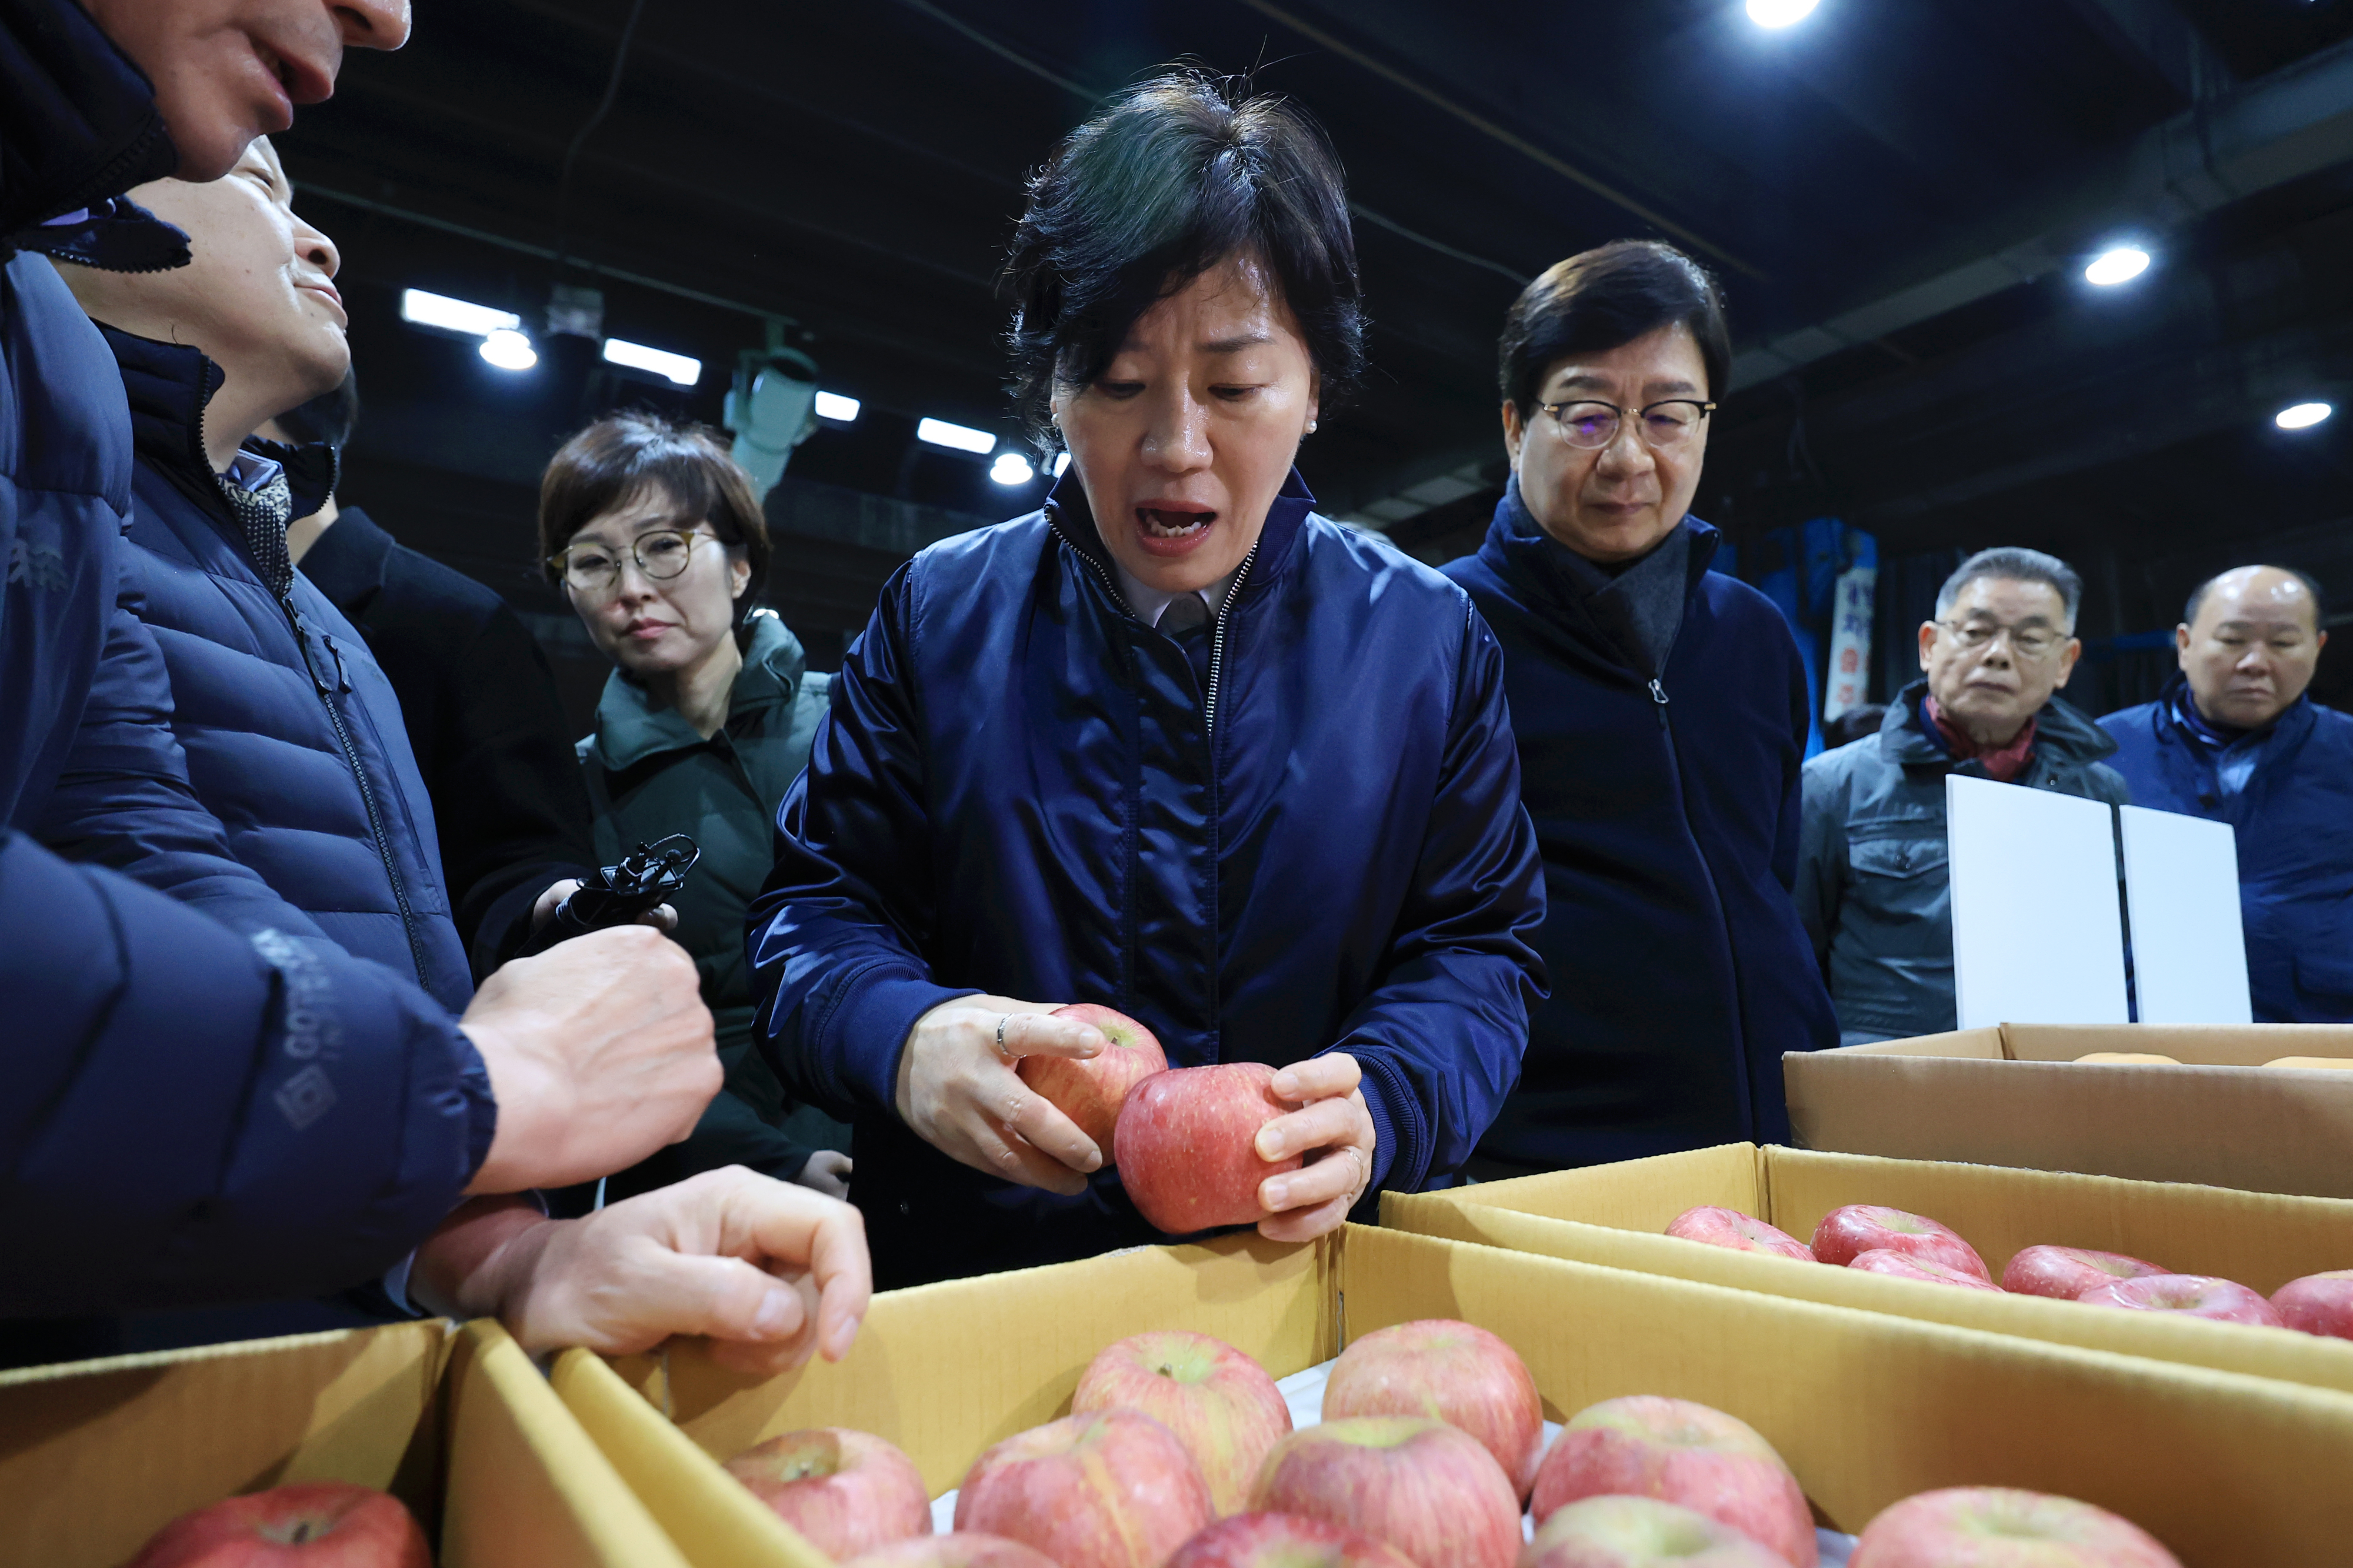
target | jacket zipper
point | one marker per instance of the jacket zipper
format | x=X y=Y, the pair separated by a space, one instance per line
x=1659 y=696
x=1715 y=895
x=1217 y=648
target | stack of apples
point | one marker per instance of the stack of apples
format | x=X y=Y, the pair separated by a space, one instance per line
x=1881 y=1240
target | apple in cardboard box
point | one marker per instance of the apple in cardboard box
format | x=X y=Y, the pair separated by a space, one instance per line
x=1285 y=1540
x=1857 y=1229
x=1682 y=1453
x=2064 y=1273
x=846 y=1491
x=2318 y=1303
x=1090 y=1092
x=1452 y=1372
x=1998 y=1527
x=1219 y=1403
x=2190 y=1295
x=1428 y=1490
x=957 y=1549
x=1186 y=1149
x=1741 y=1232
x=308 y=1524
x=1640 y=1533
x=1112 y=1488
x=1905 y=1266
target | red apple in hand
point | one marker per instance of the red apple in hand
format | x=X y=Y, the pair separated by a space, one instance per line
x=1186 y=1145
x=1683 y=1453
x=1219 y=1403
x=1451 y=1371
x=1995 y=1527
x=957 y=1549
x=309 y=1524
x=1867 y=1228
x=1285 y=1540
x=2064 y=1273
x=1740 y=1232
x=2318 y=1303
x=1904 y=1266
x=1427 y=1488
x=1640 y=1533
x=1088 y=1092
x=847 y=1492
x=1110 y=1489
x=2191 y=1295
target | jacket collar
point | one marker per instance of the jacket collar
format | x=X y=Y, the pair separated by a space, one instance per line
x=169 y=386
x=78 y=120
x=630 y=728
x=1520 y=551
x=2295 y=722
x=1067 y=512
x=2061 y=735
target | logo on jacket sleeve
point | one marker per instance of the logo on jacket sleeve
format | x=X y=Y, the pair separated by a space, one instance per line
x=41 y=566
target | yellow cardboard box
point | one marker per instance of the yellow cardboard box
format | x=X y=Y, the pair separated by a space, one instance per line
x=2231 y=1471
x=1617 y=1215
x=96 y=1456
x=2016 y=1096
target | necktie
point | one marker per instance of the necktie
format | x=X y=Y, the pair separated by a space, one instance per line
x=263 y=515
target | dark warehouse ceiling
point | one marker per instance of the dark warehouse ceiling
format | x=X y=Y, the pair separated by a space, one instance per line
x=1899 y=196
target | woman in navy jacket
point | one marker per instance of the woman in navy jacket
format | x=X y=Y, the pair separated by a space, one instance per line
x=1173 y=744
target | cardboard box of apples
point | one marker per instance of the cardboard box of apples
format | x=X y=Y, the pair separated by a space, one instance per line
x=2264 y=1108
x=391 y=1447
x=1028 y=1395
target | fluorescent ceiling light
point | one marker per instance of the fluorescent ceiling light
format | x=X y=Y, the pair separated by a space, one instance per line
x=509 y=350
x=684 y=369
x=1781 y=13
x=961 y=438
x=1011 y=468
x=833 y=406
x=2302 y=415
x=454 y=315
x=1062 y=461
x=2121 y=265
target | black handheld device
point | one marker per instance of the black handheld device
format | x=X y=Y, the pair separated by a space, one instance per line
x=616 y=895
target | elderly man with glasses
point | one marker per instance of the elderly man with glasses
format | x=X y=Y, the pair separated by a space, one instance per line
x=1873 y=877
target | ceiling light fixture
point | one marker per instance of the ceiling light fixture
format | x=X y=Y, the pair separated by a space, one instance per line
x=2302 y=415
x=1011 y=468
x=440 y=312
x=1781 y=13
x=682 y=369
x=509 y=350
x=957 y=437
x=2121 y=265
x=834 y=406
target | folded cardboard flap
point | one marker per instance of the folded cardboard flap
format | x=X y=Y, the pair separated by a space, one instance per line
x=1867 y=1408
x=1984 y=1045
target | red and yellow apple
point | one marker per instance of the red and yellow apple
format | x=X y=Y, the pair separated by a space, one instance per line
x=1682 y=1453
x=1088 y=1091
x=1285 y=1540
x=1907 y=1265
x=1186 y=1145
x=1997 y=1527
x=1451 y=1371
x=307 y=1524
x=1741 y=1232
x=1640 y=1533
x=1857 y=1229
x=957 y=1549
x=2064 y=1273
x=1219 y=1403
x=2318 y=1303
x=1428 y=1490
x=1112 y=1488
x=846 y=1491
x=2190 y=1295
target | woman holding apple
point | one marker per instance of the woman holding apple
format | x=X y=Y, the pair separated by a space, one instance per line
x=1173 y=744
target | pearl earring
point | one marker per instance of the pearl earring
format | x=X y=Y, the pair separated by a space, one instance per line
x=1310 y=427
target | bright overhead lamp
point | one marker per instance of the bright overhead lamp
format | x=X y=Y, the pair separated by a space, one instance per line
x=1011 y=468
x=959 y=437
x=1781 y=13
x=833 y=406
x=1062 y=461
x=509 y=350
x=2302 y=415
x=684 y=369
x=449 y=315
x=2121 y=265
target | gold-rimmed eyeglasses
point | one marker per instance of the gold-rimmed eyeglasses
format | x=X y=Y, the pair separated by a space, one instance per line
x=2028 y=642
x=660 y=553
x=1592 y=425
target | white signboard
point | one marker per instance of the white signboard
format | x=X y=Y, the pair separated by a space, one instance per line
x=2190 y=956
x=2038 y=929
x=1850 y=673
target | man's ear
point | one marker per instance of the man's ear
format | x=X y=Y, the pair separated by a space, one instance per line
x=1928 y=641
x=2067 y=657
x=2181 y=645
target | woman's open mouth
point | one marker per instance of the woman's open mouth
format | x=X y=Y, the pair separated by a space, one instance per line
x=1169 y=529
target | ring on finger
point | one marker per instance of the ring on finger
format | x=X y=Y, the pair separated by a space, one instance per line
x=1003 y=1053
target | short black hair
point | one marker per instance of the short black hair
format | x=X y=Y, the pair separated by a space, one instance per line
x=330 y=417
x=2016 y=565
x=1605 y=299
x=2311 y=586
x=1176 y=176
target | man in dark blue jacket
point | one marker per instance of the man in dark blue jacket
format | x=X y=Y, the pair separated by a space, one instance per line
x=2233 y=738
x=1660 y=713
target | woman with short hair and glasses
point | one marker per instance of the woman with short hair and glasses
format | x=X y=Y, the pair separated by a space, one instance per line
x=1661 y=715
x=652 y=534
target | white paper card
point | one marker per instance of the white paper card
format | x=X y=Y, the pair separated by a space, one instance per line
x=2038 y=932
x=2181 y=886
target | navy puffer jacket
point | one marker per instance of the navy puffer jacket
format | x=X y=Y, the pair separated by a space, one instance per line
x=1023 y=789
